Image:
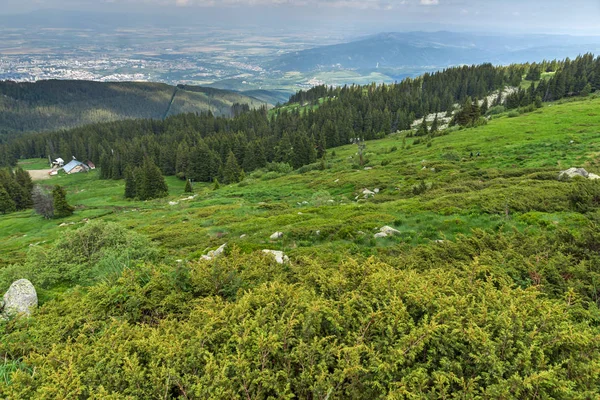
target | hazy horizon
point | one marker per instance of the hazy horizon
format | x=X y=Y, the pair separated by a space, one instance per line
x=576 y=17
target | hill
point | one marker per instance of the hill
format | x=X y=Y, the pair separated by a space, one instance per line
x=55 y=104
x=493 y=262
x=393 y=53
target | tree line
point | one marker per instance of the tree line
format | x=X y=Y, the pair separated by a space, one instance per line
x=199 y=146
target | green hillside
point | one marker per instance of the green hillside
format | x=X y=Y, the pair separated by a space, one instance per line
x=488 y=290
x=52 y=105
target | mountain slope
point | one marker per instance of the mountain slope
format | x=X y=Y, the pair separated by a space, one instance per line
x=434 y=51
x=54 y=104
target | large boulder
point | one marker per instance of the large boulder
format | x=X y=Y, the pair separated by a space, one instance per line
x=20 y=298
x=389 y=230
x=573 y=172
x=279 y=256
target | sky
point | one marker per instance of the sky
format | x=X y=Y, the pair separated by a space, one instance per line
x=576 y=17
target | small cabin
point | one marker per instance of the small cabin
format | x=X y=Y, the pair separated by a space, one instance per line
x=75 y=166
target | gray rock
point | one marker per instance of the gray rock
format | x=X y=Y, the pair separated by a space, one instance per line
x=215 y=253
x=572 y=172
x=593 y=176
x=380 y=235
x=20 y=298
x=389 y=231
x=279 y=256
x=276 y=235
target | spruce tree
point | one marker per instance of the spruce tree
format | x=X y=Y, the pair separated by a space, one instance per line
x=61 y=207
x=188 y=187
x=216 y=184
x=435 y=125
x=130 y=183
x=232 y=172
x=6 y=203
x=153 y=183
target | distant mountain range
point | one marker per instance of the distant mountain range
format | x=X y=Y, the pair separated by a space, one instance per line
x=434 y=50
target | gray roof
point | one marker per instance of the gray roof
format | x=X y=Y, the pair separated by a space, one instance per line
x=74 y=163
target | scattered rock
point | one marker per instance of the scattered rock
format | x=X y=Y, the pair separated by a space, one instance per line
x=243 y=236
x=376 y=190
x=279 y=256
x=20 y=298
x=318 y=233
x=368 y=168
x=336 y=181
x=331 y=201
x=173 y=203
x=276 y=236
x=380 y=235
x=593 y=176
x=360 y=233
x=300 y=213
x=305 y=203
x=439 y=241
x=367 y=193
x=215 y=253
x=423 y=169
x=389 y=230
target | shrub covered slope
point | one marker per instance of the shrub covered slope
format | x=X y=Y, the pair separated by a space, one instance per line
x=489 y=289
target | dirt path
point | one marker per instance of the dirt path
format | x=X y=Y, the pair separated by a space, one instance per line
x=39 y=174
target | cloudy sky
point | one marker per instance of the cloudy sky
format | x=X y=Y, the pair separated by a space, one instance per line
x=542 y=16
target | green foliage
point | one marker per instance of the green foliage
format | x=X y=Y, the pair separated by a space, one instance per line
x=59 y=199
x=584 y=195
x=244 y=327
x=6 y=203
x=188 y=187
x=232 y=173
x=83 y=256
x=150 y=184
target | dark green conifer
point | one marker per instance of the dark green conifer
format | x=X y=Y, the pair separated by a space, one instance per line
x=188 y=187
x=61 y=207
x=130 y=183
x=6 y=203
x=232 y=172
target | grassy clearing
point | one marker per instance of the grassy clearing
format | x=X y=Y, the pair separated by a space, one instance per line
x=511 y=185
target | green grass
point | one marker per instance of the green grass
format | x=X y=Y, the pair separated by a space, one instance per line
x=515 y=174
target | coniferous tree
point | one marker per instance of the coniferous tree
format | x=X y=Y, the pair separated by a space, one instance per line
x=435 y=125
x=130 y=183
x=153 y=183
x=188 y=187
x=6 y=203
x=61 y=207
x=232 y=173
x=216 y=184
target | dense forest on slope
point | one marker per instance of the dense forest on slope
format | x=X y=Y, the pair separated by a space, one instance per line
x=56 y=104
x=197 y=146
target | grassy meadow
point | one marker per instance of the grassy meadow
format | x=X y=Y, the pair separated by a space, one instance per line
x=428 y=190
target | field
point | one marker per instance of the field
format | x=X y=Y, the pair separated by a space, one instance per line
x=427 y=191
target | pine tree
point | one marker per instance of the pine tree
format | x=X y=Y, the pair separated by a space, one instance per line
x=423 y=130
x=485 y=106
x=61 y=207
x=435 y=125
x=153 y=183
x=188 y=187
x=216 y=184
x=6 y=203
x=130 y=183
x=587 y=89
x=232 y=170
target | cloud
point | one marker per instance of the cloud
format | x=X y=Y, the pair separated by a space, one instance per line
x=430 y=2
